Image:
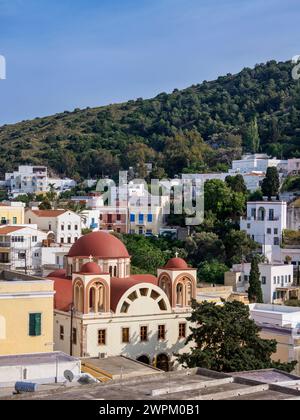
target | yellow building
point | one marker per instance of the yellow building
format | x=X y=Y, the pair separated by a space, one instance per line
x=26 y=314
x=12 y=213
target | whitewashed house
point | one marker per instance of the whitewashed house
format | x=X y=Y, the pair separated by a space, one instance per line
x=265 y=222
x=62 y=226
x=21 y=247
x=277 y=281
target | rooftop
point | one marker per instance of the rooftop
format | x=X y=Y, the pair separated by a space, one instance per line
x=274 y=308
x=192 y=384
x=35 y=359
x=16 y=276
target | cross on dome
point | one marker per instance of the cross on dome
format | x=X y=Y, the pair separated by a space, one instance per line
x=176 y=254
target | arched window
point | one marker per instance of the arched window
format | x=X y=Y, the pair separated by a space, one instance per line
x=97 y=298
x=115 y=271
x=92 y=300
x=166 y=286
x=179 y=294
x=79 y=298
x=261 y=214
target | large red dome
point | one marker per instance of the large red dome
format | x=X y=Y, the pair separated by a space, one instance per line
x=99 y=244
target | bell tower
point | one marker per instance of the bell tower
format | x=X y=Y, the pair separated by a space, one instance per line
x=179 y=282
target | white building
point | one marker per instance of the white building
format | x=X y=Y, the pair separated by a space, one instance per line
x=265 y=223
x=282 y=324
x=62 y=226
x=276 y=281
x=115 y=313
x=293 y=166
x=39 y=368
x=21 y=247
x=256 y=163
x=27 y=180
x=61 y=184
x=253 y=180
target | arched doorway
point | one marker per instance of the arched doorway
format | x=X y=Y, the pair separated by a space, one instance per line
x=162 y=362
x=144 y=359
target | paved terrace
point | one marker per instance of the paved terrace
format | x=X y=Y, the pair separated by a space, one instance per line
x=193 y=384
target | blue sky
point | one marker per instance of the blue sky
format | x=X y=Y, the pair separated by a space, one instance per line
x=74 y=53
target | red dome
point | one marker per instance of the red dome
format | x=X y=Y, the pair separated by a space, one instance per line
x=99 y=244
x=60 y=274
x=177 y=263
x=90 y=268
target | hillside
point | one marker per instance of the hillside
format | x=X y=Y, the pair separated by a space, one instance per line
x=200 y=128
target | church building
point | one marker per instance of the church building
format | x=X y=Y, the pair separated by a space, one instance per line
x=102 y=310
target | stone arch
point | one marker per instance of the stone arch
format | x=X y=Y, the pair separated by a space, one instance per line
x=165 y=283
x=144 y=358
x=97 y=296
x=78 y=295
x=189 y=286
x=163 y=362
x=157 y=298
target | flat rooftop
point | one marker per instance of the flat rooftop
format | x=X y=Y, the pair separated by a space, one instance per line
x=274 y=308
x=122 y=367
x=16 y=276
x=35 y=359
x=192 y=384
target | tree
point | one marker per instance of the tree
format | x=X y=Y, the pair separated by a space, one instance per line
x=255 y=292
x=251 y=137
x=205 y=246
x=236 y=183
x=212 y=272
x=222 y=201
x=239 y=247
x=227 y=340
x=45 y=204
x=256 y=196
x=271 y=184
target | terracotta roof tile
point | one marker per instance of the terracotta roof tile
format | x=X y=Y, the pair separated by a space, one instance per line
x=48 y=213
x=10 y=229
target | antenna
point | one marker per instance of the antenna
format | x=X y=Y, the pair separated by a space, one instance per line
x=69 y=376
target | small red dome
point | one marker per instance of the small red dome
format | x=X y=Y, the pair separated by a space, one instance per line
x=99 y=244
x=177 y=263
x=90 y=268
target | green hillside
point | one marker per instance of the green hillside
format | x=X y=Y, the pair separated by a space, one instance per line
x=201 y=128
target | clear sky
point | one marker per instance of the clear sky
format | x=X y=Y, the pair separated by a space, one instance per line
x=64 y=54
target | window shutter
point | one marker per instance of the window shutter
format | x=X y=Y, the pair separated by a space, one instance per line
x=38 y=326
x=35 y=325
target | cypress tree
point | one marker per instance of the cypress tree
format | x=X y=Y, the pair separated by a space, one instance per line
x=255 y=291
x=271 y=184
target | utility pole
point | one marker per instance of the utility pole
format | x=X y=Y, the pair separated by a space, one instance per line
x=71 y=329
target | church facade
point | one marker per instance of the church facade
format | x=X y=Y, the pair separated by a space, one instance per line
x=102 y=310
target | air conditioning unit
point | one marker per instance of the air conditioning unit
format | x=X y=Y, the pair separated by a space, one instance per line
x=102 y=355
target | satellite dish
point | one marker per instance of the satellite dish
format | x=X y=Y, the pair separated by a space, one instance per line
x=69 y=375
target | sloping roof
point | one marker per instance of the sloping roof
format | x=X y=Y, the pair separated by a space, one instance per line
x=63 y=297
x=48 y=213
x=10 y=229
